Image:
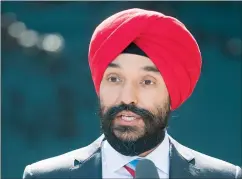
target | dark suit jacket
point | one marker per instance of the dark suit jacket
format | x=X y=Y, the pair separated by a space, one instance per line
x=87 y=163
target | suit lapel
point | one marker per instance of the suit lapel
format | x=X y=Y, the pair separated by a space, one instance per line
x=181 y=161
x=90 y=165
x=91 y=168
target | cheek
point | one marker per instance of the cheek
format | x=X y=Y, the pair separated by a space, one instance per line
x=153 y=99
x=108 y=96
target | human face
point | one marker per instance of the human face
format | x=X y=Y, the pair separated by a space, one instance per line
x=133 y=89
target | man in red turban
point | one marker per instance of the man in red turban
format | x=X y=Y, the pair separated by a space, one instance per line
x=144 y=64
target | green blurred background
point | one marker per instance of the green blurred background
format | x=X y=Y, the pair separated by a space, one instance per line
x=49 y=104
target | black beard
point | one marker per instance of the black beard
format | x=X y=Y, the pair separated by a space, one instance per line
x=154 y=131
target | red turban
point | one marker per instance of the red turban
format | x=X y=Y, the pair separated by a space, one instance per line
x=164 y=39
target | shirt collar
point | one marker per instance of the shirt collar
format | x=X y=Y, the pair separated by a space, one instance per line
x=114 y=160
x=160 y=156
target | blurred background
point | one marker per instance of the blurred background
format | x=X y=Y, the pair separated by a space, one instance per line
x=49 y=105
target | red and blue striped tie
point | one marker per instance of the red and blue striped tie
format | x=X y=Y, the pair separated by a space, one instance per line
x=130 y=167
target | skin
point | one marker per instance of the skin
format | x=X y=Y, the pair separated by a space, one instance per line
x=133 y=79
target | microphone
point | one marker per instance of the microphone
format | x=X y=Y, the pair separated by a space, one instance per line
x=146 y=169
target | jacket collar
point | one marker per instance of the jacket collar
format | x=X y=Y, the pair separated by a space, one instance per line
x=181 y=161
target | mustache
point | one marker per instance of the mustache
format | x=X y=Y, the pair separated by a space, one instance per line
x=113 y=111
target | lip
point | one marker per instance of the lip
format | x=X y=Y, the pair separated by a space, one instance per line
x=128 y=113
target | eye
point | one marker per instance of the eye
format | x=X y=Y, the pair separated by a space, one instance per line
x=148 y=82
x=114 y=79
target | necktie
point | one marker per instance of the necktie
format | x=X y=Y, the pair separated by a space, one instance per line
x=130 y=167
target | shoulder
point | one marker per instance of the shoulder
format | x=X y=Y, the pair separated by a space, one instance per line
x=55 y=166
x=208 y=165
x=60 y=165
x=204 y=159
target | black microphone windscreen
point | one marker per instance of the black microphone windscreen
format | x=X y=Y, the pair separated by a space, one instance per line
x=146 y=169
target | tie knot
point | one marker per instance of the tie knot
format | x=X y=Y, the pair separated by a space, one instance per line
x=133 y=163
x=130 y=167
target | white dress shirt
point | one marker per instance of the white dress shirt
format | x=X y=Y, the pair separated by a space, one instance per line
x=113 y=162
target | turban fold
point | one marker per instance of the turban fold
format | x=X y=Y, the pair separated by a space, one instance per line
x=164 y=39
x=133 y=49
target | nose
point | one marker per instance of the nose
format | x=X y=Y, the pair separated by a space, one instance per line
x=128 y=94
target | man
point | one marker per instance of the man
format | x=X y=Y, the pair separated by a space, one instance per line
x=144 y=65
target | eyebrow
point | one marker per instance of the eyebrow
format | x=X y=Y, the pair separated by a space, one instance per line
x=113 y=65
x=151 y=69
x=145 y=68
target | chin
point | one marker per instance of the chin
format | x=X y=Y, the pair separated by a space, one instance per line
x=126 y=136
